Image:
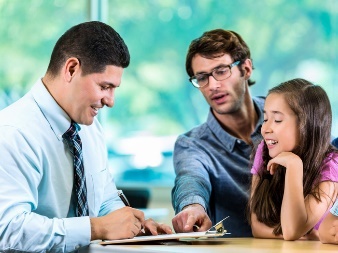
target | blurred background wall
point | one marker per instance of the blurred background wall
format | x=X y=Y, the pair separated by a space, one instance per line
x=156 y=102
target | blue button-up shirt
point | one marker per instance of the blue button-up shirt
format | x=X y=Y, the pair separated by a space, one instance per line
x=212 y=169
x=36 y=183
x=334 y=209
x=335 y=142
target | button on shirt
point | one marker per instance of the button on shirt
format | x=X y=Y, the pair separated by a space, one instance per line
x=212 y=169
x=37 y=207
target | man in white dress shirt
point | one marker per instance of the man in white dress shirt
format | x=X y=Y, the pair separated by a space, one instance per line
x=38 y=202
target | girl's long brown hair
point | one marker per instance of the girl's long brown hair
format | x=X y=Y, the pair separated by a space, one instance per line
x=312 y=106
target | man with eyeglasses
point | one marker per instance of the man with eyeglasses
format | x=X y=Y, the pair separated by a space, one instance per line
x=212 y=160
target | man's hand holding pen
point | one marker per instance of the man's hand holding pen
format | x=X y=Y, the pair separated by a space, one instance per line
x=149 y=226
x=124 y=223
x=126 y=203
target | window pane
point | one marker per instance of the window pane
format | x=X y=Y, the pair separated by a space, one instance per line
x=156 y=102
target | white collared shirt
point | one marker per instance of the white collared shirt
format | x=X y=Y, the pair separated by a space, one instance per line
x=36 y=167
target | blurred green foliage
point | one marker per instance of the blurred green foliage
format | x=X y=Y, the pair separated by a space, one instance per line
x=287 y=39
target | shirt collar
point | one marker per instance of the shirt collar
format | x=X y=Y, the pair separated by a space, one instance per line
x=57 y=118
x=259 y=107
x=227 y=139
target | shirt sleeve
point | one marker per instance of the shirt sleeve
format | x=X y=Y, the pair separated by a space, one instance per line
x=258 y=160
x=192 y=183
x=111 y=200
x=334 y=208
x=22 y=228
x=330 y=173
x=330 y=168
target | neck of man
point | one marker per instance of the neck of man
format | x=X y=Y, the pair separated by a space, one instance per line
x=52 y=85
x=242 y=123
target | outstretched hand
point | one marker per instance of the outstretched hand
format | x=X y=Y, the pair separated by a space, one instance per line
x=191 y=218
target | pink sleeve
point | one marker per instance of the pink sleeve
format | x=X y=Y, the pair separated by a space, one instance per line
x=329 y=173
x=258 y=161
x=330 y=168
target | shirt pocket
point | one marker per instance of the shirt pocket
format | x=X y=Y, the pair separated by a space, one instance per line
x=97 y=184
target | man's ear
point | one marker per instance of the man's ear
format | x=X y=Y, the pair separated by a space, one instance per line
x=247 y=67
x=71 y=67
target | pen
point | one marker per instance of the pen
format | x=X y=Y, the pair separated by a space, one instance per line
x=126 y=203
x=123 y=198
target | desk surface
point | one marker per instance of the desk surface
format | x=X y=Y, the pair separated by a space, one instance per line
x=228 y=245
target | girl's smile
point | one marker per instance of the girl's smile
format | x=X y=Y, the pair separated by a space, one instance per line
x=279 y=129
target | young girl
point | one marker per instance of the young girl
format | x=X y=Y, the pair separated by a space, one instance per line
x=295 y=170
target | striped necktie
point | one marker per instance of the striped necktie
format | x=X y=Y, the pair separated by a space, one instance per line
x=75 y=145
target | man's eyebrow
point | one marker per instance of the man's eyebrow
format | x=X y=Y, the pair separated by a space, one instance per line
x=217 y=67
x=109 y=84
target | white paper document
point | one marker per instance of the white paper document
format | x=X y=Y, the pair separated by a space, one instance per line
x=214 y=231
x=178 y=236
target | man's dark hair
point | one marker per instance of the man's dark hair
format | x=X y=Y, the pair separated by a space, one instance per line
x=216 y=43
x=94 y=44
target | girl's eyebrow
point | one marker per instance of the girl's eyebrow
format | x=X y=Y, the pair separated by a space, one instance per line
x=274 y=112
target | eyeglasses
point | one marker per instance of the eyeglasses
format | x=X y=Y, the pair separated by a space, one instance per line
x=220 y=73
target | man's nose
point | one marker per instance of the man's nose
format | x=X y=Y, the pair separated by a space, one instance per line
x=109 y=99
x=213 y=83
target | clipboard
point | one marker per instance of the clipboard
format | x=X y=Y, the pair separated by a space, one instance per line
x=215 y=231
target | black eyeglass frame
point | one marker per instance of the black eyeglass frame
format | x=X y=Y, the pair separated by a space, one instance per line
x=230 y=66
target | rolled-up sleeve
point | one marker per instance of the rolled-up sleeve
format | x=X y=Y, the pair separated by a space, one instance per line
x=192 y=183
